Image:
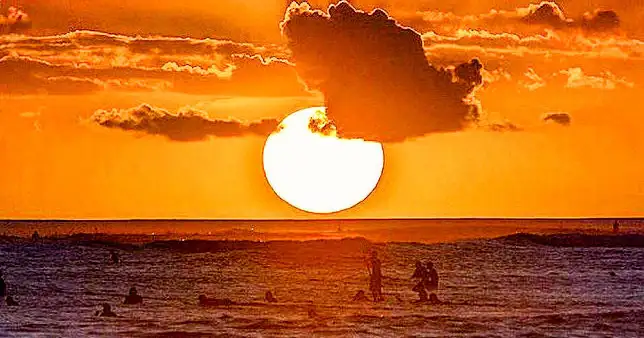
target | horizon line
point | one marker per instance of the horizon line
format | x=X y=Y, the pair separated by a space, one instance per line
x=316 y=219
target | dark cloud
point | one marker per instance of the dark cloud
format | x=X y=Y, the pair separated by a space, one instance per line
x=546 y=13
x=549 y=13
x=601 y=21
x=374 y=75
x=563 y=119
x=503 y=127
x=187 y=125
x=15 y=21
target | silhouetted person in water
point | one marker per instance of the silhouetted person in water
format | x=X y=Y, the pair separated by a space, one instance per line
x=422 y=275
x=616 y=227
x=3 y=286
x=133 y=297
x=268 y=296
x=11 y=301
x=375 y=274
x=106 y=312
x=205 y=301
x=432 y=283
x=114 y=257
x=35 y=237
x=360 y=296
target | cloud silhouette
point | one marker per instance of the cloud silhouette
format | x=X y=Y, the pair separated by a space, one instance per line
x=503 y=127
x=376 y=80
x=15 y=21
x=186 y=125
x=530 y=18
x=549 y=13
x=601 y=21
x=546 y=13
x=563 y=119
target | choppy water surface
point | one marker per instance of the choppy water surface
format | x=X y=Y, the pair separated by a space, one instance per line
x=493 y=288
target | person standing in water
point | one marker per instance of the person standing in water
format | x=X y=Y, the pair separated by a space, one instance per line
x=375 y=276
x=432 y=280
x=422 y=275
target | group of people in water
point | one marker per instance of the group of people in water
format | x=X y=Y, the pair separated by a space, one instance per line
x=426 y=286
x=425 y=274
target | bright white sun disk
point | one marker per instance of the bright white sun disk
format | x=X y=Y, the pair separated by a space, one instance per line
x=317 y=172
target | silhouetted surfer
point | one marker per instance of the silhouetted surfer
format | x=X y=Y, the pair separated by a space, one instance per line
x=133 y=297
x=11 y=301
x=35 y=237
x=114 y=257
x=422 y=275
x=360 y=296
x=375 y=276
x=205 y=301
x=268 y=296
x=616 y=226
x=3 y=286
x=106 y=312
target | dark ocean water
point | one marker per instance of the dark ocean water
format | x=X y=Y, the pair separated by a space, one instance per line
x=492 y=288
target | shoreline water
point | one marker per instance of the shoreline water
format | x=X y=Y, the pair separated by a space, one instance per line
x=503 y=286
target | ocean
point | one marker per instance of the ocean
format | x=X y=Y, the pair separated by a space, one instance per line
x=514 y=285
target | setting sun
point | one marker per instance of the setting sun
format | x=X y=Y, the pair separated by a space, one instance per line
x=319 y=172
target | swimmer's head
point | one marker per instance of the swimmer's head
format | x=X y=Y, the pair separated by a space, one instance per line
x=133 y=290
x=430 y=264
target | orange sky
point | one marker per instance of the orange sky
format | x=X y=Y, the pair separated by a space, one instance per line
x=204 y=56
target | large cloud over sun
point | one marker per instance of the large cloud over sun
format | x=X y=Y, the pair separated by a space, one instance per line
x=374 y=75
x=188 y=124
